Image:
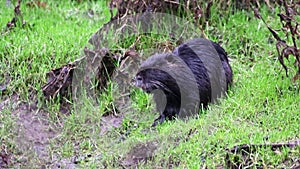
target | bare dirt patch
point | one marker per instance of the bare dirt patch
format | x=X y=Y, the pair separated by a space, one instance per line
x=109 y=122
x=33 y=134
x=140 y=153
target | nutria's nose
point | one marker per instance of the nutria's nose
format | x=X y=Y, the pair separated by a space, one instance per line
x=132 y=80
x=135 y=81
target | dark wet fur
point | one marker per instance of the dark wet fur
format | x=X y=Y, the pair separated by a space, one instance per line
x=151 y=79
x=158 y=79
x=225 y=63
x=199 y=71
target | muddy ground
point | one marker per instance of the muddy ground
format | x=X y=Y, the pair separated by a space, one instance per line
x=33 y=133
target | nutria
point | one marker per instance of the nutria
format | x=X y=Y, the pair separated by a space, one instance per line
x=196 y=73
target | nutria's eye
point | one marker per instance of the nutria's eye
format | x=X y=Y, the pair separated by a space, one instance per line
x=139 y=78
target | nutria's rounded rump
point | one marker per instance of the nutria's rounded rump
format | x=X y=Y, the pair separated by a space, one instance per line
x=196 y=73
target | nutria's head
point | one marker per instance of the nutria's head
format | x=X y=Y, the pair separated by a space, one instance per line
x=151 y=79
x=145 y=81
x=162 y=72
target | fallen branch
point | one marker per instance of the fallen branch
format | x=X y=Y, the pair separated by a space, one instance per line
x=247 y=149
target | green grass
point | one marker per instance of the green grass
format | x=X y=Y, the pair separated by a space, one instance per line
x=262 y=106
x=52 y=38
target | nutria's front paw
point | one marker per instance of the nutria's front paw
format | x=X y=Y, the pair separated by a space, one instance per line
x=159 y=120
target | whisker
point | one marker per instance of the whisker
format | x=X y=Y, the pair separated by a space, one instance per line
x=158 y=84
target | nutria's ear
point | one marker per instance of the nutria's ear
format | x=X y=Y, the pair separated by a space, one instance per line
x=170 y=58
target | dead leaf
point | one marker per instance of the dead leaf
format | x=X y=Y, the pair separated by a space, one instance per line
x=36 y=3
